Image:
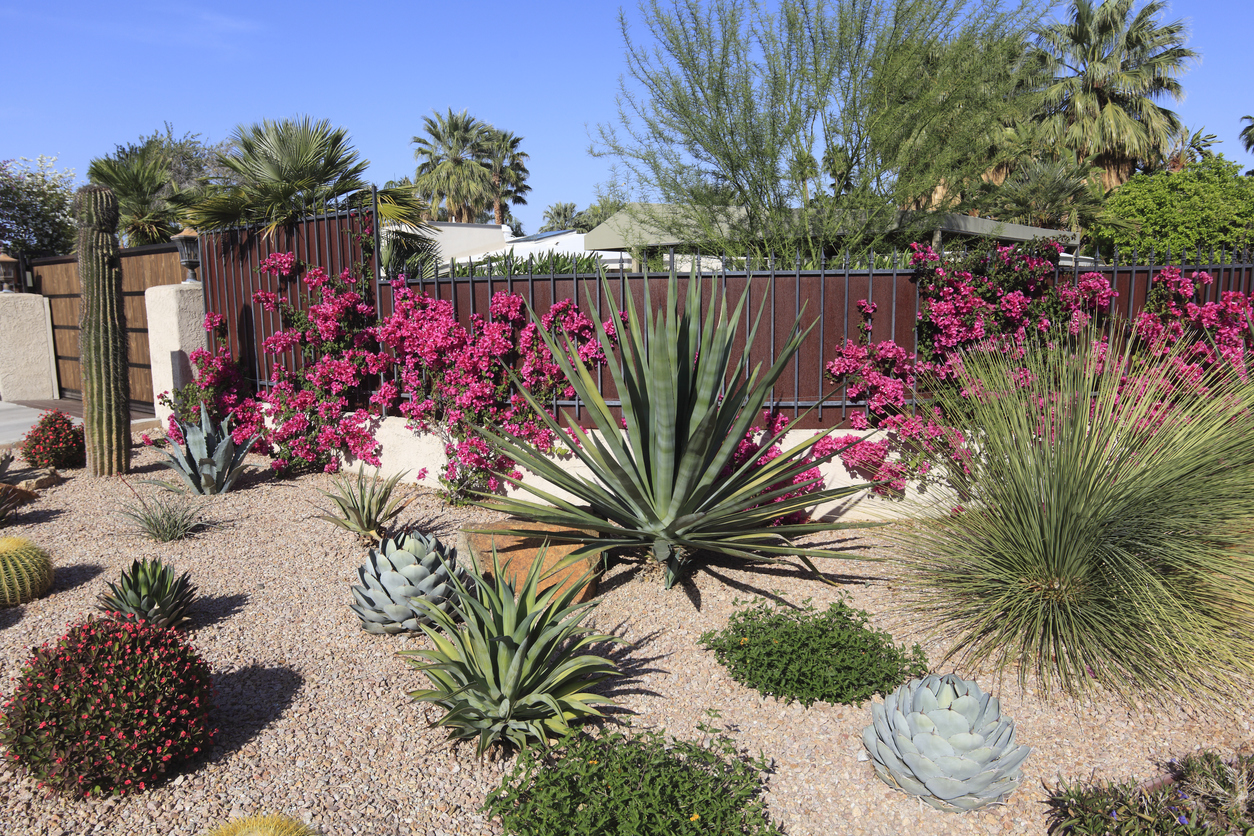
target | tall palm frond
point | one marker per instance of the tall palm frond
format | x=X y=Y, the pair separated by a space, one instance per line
x=559 y=216
x=141 y=183
x=449 y=164
x=508 y=171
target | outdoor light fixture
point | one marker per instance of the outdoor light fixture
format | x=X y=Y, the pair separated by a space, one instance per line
x=188 y=243
x=8 y=273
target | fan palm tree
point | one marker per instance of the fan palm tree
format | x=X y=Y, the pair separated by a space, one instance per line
x=1105 y=69
x=450 y=164
x=289 y=169
x=507 y=169
x=142 y=184
x=559 y=216
x=1247 y=138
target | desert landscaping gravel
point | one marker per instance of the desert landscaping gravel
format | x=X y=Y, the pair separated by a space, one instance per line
x=315 y=722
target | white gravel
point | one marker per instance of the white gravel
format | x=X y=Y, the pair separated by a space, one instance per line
x=315 y=722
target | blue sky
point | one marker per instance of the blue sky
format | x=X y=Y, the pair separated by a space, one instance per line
x=86 y=76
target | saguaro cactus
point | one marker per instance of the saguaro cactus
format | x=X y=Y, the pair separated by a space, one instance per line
x=102 y=340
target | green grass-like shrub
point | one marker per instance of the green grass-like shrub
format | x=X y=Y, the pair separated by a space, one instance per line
x=108 y=709
x=54 y=441
x=807 y=656
x=1100 y=535
x=1208 y=795
x=632 y=785
x=164 y=519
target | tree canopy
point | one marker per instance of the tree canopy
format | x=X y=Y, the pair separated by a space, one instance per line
x=818 y=122
x=467 y=168
x=36 y=208
x=1206 y=205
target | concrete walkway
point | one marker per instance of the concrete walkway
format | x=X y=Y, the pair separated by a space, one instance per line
x=16 y=419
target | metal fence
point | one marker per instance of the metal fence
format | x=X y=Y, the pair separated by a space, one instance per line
x=783 y=295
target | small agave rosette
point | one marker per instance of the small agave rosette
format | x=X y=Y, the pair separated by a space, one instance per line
x=401 y=570
x=943 y=739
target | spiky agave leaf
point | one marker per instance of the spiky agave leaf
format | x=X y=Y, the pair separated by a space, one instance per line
x=209 y=462
x=150 y=592
x=514 y=671
x=366 y=506
x=688 y=398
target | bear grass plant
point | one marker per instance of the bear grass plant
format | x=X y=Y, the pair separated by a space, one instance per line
x=806 y=655
x=108 y=709
x=622 y=784
x=1206 y=794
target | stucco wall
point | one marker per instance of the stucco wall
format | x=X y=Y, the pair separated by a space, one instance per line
x=28 y=368
x=176 y=317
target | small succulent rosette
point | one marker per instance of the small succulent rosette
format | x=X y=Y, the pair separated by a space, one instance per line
x=943 y=739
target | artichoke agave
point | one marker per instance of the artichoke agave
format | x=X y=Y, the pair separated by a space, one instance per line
x=514 y=671
x=941 y=738
x=149 y=592
x=210 y=462
x=401 y=571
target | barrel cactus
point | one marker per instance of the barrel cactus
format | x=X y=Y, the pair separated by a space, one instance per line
x=943 y=739
x=102 y=337
x=260 y=825
x=150 y=592
x=404 y=568
x=25 y=571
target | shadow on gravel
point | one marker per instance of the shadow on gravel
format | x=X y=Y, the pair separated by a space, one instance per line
x=10 y=616
x=211 y=609
x=67 y=577
x=633 y=664
x=248 y=700
x=33 y=515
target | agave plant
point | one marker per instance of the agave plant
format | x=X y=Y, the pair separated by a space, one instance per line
x=688 y=399
x=6 y=459
x=366 y=507
x=400 y=571
x=150 y=592
x=514 y=671
x=943 y=739
x=210 y=462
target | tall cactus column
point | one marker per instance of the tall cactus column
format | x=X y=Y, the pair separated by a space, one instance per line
x=102 y=339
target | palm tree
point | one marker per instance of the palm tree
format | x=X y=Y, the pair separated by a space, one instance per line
x=450 y=164
x=559 y=216
x=142 y=184
x=507 y=169
x=1105 y=70
x=1247 y=138
x=290 y=169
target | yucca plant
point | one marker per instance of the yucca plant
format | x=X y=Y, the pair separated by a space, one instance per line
x=1100 y=533
x=688 y=398
x=365 y=506
x=209 y=462
x=150 y=592
x=514 y=671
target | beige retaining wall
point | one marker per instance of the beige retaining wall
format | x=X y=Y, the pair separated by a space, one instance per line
x=28 y=366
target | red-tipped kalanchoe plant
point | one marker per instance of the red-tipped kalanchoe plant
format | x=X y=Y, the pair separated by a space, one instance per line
x=108 y=709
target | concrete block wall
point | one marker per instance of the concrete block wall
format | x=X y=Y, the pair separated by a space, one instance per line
x=176 y=318
x=28 y=365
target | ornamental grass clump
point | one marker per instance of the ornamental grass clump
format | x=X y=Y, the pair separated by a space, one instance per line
x=806 y=655
x=108 y=709
x=1099 y=533
x=667 y=476
x=644 y=785
x=54 y=441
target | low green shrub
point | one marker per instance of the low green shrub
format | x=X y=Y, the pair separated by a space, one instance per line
x=54 y=441
x=806 y=655
x=1208 y=795
x=642 y=785
x=163 y=519
x=109 y=708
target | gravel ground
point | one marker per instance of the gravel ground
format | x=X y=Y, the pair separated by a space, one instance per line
x=314 y=719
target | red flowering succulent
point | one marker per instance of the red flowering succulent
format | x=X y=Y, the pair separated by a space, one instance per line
x=109 y=708
x=54 y=441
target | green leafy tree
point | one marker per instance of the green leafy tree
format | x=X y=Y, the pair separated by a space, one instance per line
x=1107 y=69
x=1208 y=204
x=559 y=216
x=35 y=208
x=819 y=121
x=289 y=169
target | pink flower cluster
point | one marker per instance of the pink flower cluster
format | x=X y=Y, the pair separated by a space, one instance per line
x=754 y=448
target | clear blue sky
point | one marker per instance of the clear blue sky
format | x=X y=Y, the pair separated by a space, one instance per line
x=83 y=77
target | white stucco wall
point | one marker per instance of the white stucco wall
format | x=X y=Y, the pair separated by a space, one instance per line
x=28 y=369
x=176 y=318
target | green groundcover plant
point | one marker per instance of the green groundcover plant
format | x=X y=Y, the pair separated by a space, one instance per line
x=1099 y=532
x=1205 y=794
x=620 y=784
x=806 y=655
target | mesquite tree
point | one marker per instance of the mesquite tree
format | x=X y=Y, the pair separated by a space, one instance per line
x=102 y=338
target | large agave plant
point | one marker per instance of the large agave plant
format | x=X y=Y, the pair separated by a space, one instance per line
x=150 y=592
x=688 y=398
x=401 y=571
x=210 y=462
x=943 y=739
x=514 y=670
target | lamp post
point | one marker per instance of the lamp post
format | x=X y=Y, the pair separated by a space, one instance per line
x=8 y=273
x=188 y=243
